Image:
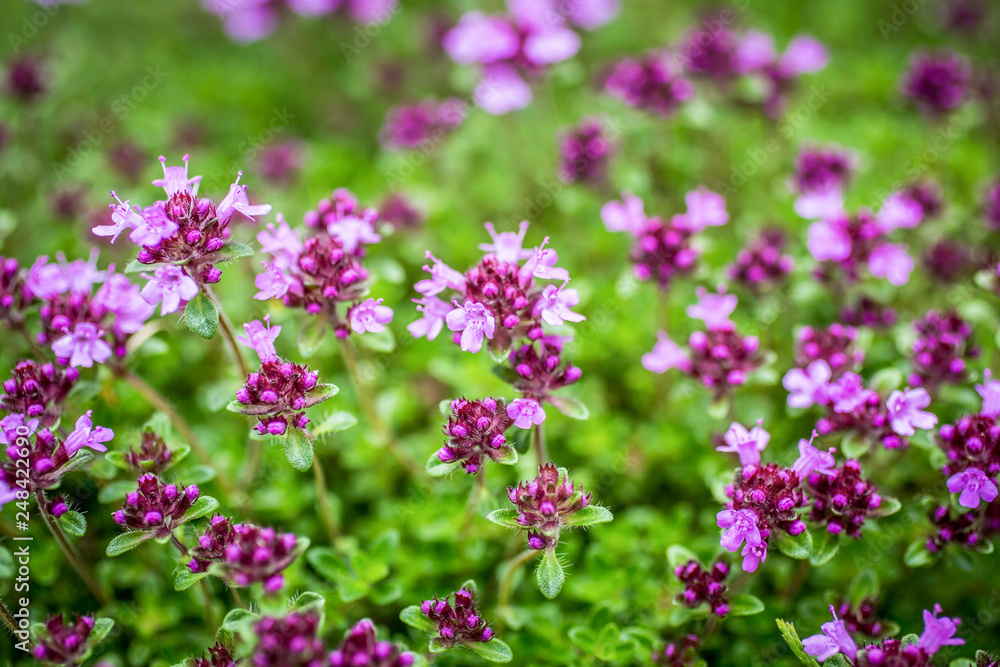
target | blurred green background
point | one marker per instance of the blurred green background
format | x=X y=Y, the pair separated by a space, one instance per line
x=165 y=77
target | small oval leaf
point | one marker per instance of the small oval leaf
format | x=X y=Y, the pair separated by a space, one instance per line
x=201 y=316
x=550 y=574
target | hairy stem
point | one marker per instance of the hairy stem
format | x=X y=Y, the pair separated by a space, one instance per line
x=237 y=598
x=538 y=435
x=323 y=501
x=8 y=620
x=516 y=563
x=72 y=555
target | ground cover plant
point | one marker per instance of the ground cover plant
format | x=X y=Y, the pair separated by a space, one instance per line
x=542 y=332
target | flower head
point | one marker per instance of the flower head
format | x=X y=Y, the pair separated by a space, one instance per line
x=474 y=321
x=747 y=444
x=713 y=309
x=169 y=286
x=906 y=412
x=813 y=460
x=155 y=506
x=835 y=639
x=526 y=412
x=476 y=429
x=84 y=346
x=807 y=387
x=740 y=526
x=260 y=337
x=85 y=434
x=362 y=647
x=973 y=485
x=457 y=618
x=545 y=503
x=370 y=315
x=938 y=632
x=64 y=643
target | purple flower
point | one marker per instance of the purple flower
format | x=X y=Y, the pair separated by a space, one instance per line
x=122 y=218
x=592 y=14
x=526 y=412
x=481 y=39
x=507 y=246
x=175 y=179
x=740 y=525
x=370 y=315
x=704 y=209
x=273 y=283
x=434 y=313
x=835 y=639
x=169 y=286
x=10 y=424
x=828 y=240
x=261 y=338
x=236 y=201
x=282 y=241
x=989 y=390
x=937 y=82
x=502 y=90
x=713 y=309
x=666 y=354
x=554 y=304
x=938 y=632
x=753 y=556
x=813 y=460
x=899 y=211
x=747 y=444
x=120 y=296
x=847 y=393
x=442 y=277
x=625 y=215
x=474 y=321
x=974 y=484
x=651 y=82
x=86 y=435
x=153 y=228
x=906 y=412
x=84 y=346
x=803 y=54
x=353 y=231
x=807 y=387
x=542 y=265
x=892 y=262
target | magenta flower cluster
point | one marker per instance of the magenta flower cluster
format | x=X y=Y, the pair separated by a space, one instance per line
x=244 y=553
x=703 y=585
x=64 y=643
x=457 y=618
x=252 y=21
x=155 y=506
x=546 y=504
x=476 y=430
x=38 y=390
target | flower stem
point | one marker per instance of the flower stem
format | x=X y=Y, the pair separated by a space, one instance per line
x=382 y=433
x=538 y=435
x=8 y=620
x=206 y=592
x=475 y=496
x=72 y=555
x=159 y=401
x=323 y=501
x=516 y=563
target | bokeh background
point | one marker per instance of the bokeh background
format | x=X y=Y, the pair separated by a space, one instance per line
x=162 y=78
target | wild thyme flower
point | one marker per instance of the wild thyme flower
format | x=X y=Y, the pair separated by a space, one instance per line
x=290 y=641
x=747 y=444
x=546 y=504
x=258 y=554
x=64 y=643
x=423 y=124
x=866 y=312
x=584 y=153
x=704 y=585
x=651 y=82
x=219 y=655
x=458 y=621
x=937 y=82
x=861 y=619
x=13 y=296
x=842 y=501
x=540 y=369
x=680 y=653
x=476 y=430
x=25 y=78
x=941 y=349
x=362 y=647
x=822 y=170
x=770 y=496
x=757 y=58
x=38 y=390
x=49 y=458
x=834 y=345
x=155 y=506
x=248 y=22
x=972 y=446
x=212 y=545
x=153 y=456
x=967 y=528
x=761 y=263
x=991 y=205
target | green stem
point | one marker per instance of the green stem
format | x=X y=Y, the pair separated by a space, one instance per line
x=538 y=435
x=72 y=555
x=237 y=598
x=8 y=620
x=323 y=501
x=516 y=563
x=475 y=496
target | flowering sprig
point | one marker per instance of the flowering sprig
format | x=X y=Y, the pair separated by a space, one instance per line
x=420 y=125
x=941 y=349
x=279 y=393
x=761 y=264
x=59 y=642
x=38 y=391
x=475 y=433
x=455 y=621
x=543 y=507
x=937 y=83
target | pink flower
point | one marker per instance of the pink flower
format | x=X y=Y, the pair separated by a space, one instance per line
x=807 y=387
x=502 y=90
x=353 y=231
x=704 y=209
x=592 y=14
x=152 y=228
x=83 y=347
x=906 y=413
x=526 y=412
x=507 y=246
x=828 y=240
x=827 y=204
x=238 y=202
x=938 y=632
x=899 y=211
x=11 y=423
x=175 y=179
x=273 y=283
x=973 y=484
x=370 y=315
x=261 y=338
x=666 y=354
x=474 y=321
x=847 y=393
x=813 y=460
x=442 y=278
x=804 y=54
x=713 y=309
x=625 y=216
x=46 y=280
x=990 y=393
x=434 y=313
x=740 y=525
x=281 y=241
x=123 y=218
x=550 y=46
x=835 y=639
x=554 y=304
x=892 y=262
x=753 y=556
x=747 y=444
x=85 y=434
x=168 y=287
x=481 y=39
x=542 y=265
x=755 y=51
x=119 y=296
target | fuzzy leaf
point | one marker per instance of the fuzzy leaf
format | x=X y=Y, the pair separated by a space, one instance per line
x=115 y=492
x=185 y=578
x=836 y=660
x=378 y=341
x=888 y=507
x=437 y=468
x=570 y=407
x=508 y=456
x=826 y=550
x=792 y=639
x=415 y=618
x=493 y=650
x=471 y=586
x=338 y=421
x=745 y=605
x=588 y=516
x=73 y=523
x=102 y=626
x=235 y=250
x=82 y=458
x=917 y=555
x=505 y=517
x=128 y=541
x=963 y=662
x=201 y=316
x=236 y=619
x=795 y=546
x=550 y=574
x=298 y=449
x=204 y=505
x=250 y=410
x=117 y=459
x=320 y=393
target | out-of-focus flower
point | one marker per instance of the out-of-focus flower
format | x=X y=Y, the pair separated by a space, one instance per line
x=937 y=82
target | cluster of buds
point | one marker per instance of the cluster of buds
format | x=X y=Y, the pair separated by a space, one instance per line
x=937 y=82
x=761 y=263
x=38 y=391
x=325 y=270
x=540 y=369
x=291 y=641
x=45 y=457
x=701 y=585
x=156 y=506
x=13 y=299
x=866 y=312
x=258 y=554
x=476 y=430
x=64 y=643
x=545 y=503
x=362 y=647
x=662 y=250
x=949 y=261
x=651 y=82
x=834 y=345
x=82 y=326
x=719 y=357
x=821 y=171
x=972 y=446
x=585 y=151
x=968 y=529
x=153 y=455
x=842 y=501
x=219 y=655
x=280 y=392
x=458 y=621
x=212 y=545
x=423 y=124
x=499 y=299
x=862 y=619
x=680 y=653
x=941 y=349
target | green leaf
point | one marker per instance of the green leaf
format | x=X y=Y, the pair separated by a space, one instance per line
x=102 y=626
x=337 y=421
x=445 y=407
x=570 y=407
x=298 y=449
x=494 y=650
x=117 y=459
x=415 y=618
x=888 y=507
x=73 y=523
x=745 y=605
x=681 y=615
x=864 y=587
x=185 y=578
x=588 y=516
x=201 y=507
x=128 y=541
x=795 y=546
x=7 y=568
x=237 y=619
x=963 y=662
x=235 y=250
x=792 y=639
x=550 y=574
x=505 y=373
x=201 y=316
x=378 y=341
x=436 y=645
x=909 y=640
x=82 y=458
x=505 y=517
x=320 y=393
x=83 y=391
x=115 y=492
x=917 y=555
x=251 y=410
x=472 y=587
x=507 y=457
x=678 y=555
x=329 y=564
x=308 y=601
x=827 y=549
x=854 y=447
x=437 y=468
x=886 y=380
x=836 y=660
